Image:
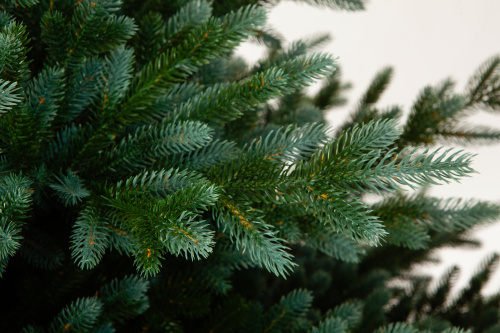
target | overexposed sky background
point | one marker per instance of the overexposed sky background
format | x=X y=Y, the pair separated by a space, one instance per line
x=425 y=41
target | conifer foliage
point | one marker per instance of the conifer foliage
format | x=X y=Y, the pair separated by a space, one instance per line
x=146 y=175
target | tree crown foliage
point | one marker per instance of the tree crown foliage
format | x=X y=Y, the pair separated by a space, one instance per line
x=149 y=179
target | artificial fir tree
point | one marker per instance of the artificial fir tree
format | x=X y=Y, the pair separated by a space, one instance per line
x=147 y=183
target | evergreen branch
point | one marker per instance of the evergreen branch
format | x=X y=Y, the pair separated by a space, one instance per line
x=193 y=13
x=158 y=224
x=272 y=185
x=365 y=175
x=289 y=144
x=20 y=3
x=377 y=87
x=450 y=107
x=431 y=168
x=10 y=238
x=89 y=238
x=175 y=65
x=290 y=231
x=456 y=214
x=244 y=22
x=403 y=231
x=441 y=91
x=97 y=126
x=296 y=49
x=142 y=225
x=337 y=4
x=347 y=215
x=359 y=141
x=455 y=240
x=55 y=32
x=147 y=258
x=70 y=189
x=483 y=88
x=437 y=299
x=13 y=53
x=225 y=102
x=44 y=94
x=365 y=110
x=364 y=115
x=284 y=145
x=291 y=307
x=85 y=11
x=81 y=316
x=331 y=206
x=476 y=283
x=117 y=31
x=442 y=215
x=252 y=235
x=203 y=43
x=259 y=173
x=154 y=141
x=330 y=325
x=119 y=240
x=304 y=115
x=190 y=237
x=214 y=153
x=392 y=112
x=5 y=165
x=40 y=177
x=335 y=245
x=95 y=29
x=173 y=98
x=68 y=141
x=351 y=312
x=124 y=299
x=331 y=176
x=83 y=89
x=268 y=37
x=149 y=38
x=302 y=71
x=353 y=150
x=468 y=136
x=15 y=197
x=162 y=183
x=9 y=95
x=433 y=109
x=89 y=148
x=330 y=93
x=195 y=198
x=397 y=328
x=5 y=19
x=113 y=84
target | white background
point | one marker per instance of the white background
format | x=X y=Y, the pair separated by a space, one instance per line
x=425 y=41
